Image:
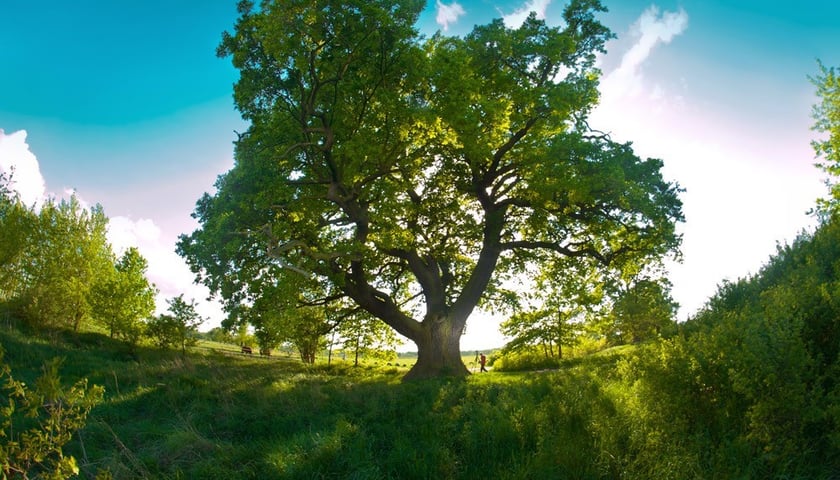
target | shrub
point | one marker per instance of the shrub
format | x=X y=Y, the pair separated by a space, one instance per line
x=531 y=359
x=752 y=381
x=36 y=423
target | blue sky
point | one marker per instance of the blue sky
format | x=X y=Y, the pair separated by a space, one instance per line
x=126 y=103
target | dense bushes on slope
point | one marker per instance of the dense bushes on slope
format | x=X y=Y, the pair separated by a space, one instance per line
x=755 y=374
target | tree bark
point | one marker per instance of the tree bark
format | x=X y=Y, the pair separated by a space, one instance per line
x=438 y=350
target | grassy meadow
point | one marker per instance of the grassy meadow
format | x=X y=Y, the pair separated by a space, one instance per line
x=215 y=413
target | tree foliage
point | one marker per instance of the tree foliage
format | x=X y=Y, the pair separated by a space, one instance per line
x=413 y=175
x=366 y=337
x=758 y=366
x=561 y=305
x=57 y=269
x=123 y=297
x=548 y=329
x=826 y=115
x=178 y=328
x=284 y=313
x=16 y=221
x=36 y=423
x=70 y=255
x=305 y=328
x=643 y=311
x=51 y=258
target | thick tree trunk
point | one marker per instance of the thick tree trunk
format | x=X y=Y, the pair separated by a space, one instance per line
x=438 y=350
x=438 y=336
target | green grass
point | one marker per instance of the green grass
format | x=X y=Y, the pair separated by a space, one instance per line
x=216 y=413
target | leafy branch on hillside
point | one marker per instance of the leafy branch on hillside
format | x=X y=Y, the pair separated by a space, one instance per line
x=826 y=115
x=35 y=423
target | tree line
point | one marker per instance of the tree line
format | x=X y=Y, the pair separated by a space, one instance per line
x=567 y=315
x=58 y=271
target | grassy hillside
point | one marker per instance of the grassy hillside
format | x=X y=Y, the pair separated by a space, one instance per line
x=223 y=415
x=213 y=414
x=749 y=388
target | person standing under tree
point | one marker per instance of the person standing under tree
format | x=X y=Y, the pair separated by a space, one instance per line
x=482 y=360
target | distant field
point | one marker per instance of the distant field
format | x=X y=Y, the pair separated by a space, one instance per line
x=404 y=359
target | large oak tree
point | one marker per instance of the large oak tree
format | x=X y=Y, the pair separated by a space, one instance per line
x=413 y=175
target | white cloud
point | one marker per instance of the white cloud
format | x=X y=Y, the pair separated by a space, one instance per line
x=747 y=185
x=625 y=90
x=448 y=14
x=22 y=166
x=167 y=270
x=515 y=19
x=124 y=233
x=651 y=29
x=16 y=160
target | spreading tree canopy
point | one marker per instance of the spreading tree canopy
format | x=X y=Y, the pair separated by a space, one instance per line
x=412 y=176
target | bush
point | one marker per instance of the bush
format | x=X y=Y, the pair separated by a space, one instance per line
x=36 y=424
x=532 y=359
x=752 y=381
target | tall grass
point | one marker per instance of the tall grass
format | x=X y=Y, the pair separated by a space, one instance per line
x=213 y=414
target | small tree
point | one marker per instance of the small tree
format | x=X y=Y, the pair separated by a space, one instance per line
x=162 y=330
x=367 y=337
x=552 y=313
x=308 y=334
x=268 y=338
x=283 y=312
x=123 y=297
x=65 y=255
x=179 y=327
x=548 y=329
x=305 y=328
x=642 y=311
x=219 y=334
x=16 y=224
x=242 y=336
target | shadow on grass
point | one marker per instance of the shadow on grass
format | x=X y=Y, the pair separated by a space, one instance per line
x=213 y=415
x=208 y=418
x=226 y=416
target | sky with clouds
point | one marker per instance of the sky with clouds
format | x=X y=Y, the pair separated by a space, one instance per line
x=126 y=104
